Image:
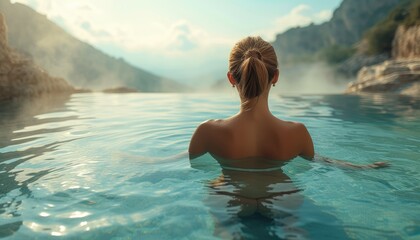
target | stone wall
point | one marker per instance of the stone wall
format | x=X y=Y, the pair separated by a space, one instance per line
x=21 y=77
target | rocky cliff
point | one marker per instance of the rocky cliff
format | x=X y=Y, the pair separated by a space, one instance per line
x=65 y=56
x=406 y=43
x=20 y=76
x=401 y=74
x=347 y=26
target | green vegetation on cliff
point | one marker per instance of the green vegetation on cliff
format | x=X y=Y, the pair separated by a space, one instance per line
x=379 y=38
x=335 y=54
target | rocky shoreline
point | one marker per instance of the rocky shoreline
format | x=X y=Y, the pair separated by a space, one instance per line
x=21 y=77
x=395 y=76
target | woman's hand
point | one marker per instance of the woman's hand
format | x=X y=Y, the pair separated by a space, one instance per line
x=378 y=165
x=340 y=163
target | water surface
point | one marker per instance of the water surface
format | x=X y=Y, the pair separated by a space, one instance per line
x=112 y=166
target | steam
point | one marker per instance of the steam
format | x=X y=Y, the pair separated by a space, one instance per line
x=301 y=78
x=310 y=78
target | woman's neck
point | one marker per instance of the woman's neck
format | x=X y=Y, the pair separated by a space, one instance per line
x=257 y=106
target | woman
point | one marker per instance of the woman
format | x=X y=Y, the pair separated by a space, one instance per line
x=254 y=133
x=253 y=145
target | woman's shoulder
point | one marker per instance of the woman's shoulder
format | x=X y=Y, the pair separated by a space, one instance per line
x=204 y=137
x=291 y=125
x=208 y=127
x=211 y=123
x=292 y=130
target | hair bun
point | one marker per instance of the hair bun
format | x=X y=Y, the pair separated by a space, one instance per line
x=253 y=53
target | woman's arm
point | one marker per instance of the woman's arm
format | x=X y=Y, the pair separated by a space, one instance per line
x=198 y=143
x=309 y=154
x=307 y=146
x=340 y=163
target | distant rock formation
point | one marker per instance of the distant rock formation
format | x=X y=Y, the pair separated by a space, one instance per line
x=120 y=90
x=395 y=76
x=352 y=65
x=21 y=77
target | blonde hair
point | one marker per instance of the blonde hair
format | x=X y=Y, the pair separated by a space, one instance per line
x=252 y=63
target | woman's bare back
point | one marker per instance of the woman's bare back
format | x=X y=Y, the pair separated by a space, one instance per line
x=254 y=132
x=252 y=136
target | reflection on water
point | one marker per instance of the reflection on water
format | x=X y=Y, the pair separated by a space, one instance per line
x=247 y=201
x=370 y=108
x=374 y=108
x=14 y=116
x=246 y=196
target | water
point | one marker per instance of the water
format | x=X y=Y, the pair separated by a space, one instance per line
x=114 y=166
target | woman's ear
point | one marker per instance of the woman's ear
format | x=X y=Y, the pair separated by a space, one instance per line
x=275 y=77
x=231 y=79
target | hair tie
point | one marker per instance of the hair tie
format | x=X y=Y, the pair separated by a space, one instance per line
x=253 y=53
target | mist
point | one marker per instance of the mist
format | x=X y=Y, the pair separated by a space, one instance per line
x=310 y=78
x=302 y=78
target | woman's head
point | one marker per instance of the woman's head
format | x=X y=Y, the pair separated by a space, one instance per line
x=252 y=65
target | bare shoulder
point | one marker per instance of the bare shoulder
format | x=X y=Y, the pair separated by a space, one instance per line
x=307 y=147
x=202 y=137
x=205 y=128
x=209 y=125
x=298 y=133
x=295 y=127
x=300 y=127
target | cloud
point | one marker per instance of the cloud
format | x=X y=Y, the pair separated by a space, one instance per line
x=89 y=23
x=74 y=16
x=323 y=16
x=299 y=16
x=295 y=18
x=183 y=37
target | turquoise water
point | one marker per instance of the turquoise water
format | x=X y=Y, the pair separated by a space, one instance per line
x=114 y=166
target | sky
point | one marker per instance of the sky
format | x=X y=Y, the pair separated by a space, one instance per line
x=185 y=40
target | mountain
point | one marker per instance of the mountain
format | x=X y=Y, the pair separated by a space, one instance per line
x=346 y=27
x=64 y=56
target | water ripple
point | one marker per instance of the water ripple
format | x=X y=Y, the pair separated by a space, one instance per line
x=112 y=165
